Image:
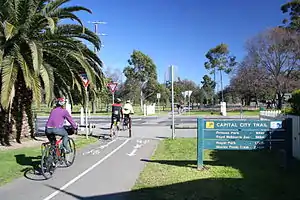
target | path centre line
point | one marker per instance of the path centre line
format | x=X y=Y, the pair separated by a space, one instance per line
x=85 y=172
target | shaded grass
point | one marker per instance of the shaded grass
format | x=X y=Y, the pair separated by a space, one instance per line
x=235 y=175
x=14 y=162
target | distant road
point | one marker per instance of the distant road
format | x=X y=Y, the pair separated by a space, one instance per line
x=137 y=121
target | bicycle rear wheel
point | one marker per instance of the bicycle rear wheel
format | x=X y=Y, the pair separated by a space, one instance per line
x=70 y=157
x=48 y=164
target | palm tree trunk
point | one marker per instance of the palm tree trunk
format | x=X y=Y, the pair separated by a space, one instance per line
x=28 y=115
x=5 y=127
x=22 y=111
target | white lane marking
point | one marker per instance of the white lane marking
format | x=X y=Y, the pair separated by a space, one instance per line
x=96 y=150
x=140 y=143
x=132 y=153
x=85 y=172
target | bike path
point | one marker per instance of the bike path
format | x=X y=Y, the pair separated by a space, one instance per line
x=98 y=172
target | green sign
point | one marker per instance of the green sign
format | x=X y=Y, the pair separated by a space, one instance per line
x=237 y=135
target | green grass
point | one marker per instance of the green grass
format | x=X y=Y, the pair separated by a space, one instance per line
x=171 y=174
x=229 y=113
x=15 y=162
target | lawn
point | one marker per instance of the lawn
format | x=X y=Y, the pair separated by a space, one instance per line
x=15 y=162
x=229 y=113
x=171 y=174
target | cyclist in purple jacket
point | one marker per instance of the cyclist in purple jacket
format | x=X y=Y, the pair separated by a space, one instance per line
x=55 y=123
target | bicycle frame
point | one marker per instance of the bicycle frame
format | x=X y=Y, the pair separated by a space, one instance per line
x=57 y=149
x=55 y=145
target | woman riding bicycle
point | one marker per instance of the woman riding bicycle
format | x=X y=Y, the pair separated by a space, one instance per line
x=55 y=123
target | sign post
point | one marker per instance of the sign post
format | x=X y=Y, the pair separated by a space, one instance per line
x=112 y=87
x=86 y=83
x=158 y=97
x=189 y=93
x=171 y=68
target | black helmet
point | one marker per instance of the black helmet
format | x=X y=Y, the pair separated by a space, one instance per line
x=118 y=100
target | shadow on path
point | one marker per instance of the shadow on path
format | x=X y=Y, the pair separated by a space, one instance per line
x=260 y=178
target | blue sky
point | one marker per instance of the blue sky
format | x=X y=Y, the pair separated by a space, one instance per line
x=178 y=32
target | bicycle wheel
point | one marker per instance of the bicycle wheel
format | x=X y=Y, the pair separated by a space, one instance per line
x=48 y=164
x=70 y=157
x=116 y=129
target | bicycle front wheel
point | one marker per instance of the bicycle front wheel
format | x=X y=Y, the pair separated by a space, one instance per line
x=70 y=157
x=47 y=163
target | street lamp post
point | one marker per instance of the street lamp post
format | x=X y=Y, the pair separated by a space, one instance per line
x=96 y=23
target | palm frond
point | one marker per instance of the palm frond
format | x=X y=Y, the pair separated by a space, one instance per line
x=8 y=30
x=36 y=90
x=51 y=24
x=74 y=30
x=46 y=73
x=52 y=6
x=85 y=65
x=37 y=56
x=9 y=77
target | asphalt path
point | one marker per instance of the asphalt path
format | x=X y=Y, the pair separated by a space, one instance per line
x=99 y=172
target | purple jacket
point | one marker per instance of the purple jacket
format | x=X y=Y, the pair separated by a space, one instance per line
x=57 y=117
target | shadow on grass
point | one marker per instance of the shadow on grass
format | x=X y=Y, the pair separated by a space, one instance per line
x=260 y=177
x=179 y=163
x=32 y=170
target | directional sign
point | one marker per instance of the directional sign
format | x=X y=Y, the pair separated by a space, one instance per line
x=241 y=135
x=112 y=86
x=234 y=144
x=85 y=80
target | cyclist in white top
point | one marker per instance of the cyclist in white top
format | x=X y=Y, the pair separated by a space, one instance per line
x=127 y=110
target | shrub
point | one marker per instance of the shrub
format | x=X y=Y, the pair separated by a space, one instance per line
x=295 y=102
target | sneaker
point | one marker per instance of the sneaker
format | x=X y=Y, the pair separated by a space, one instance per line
x=66 y=151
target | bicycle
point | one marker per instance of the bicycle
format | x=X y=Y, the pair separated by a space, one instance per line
x=125 y=123
x=52 y=153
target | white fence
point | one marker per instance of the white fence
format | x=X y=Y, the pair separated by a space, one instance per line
x=269 y=115
x=149 y=109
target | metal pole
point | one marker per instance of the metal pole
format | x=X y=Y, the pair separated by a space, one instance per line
x=113 y=97
x=189 y=105
x=158 y=106
x=172 y=88
x=86 y=113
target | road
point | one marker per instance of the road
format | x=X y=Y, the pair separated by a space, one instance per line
x=139 y=121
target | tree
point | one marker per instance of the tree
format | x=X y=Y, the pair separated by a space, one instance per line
x=250 y=81
x=208 y=87
x=141 y=72
x=114 y=75
x=219 y=58
x=293 y=8
x=39 y=54
x=276 y=52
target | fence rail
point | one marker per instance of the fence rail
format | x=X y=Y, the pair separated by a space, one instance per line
x=269 y=115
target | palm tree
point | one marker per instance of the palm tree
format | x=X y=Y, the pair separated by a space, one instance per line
x=38 y=52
